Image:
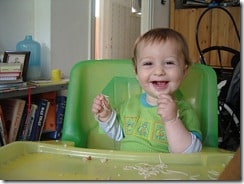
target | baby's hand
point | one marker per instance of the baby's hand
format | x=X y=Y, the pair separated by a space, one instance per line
x=101 y=108
x=167 y=107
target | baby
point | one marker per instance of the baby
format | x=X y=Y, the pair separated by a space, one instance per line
x=158 y=120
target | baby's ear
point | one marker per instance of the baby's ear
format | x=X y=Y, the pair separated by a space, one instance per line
x=134 y=65
x=136 y=77
x=135 y=70
x=186 y=70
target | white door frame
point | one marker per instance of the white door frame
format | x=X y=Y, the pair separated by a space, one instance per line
x=147 y=15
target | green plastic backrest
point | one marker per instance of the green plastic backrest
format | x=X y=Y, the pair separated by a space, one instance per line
x=116 y=79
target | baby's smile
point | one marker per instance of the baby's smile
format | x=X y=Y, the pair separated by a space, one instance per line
x=160 y=85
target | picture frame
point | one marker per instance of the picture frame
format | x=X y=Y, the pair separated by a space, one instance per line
x=18 y=56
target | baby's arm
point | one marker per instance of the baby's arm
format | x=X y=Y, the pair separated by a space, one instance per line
x=179 y=138
x=106 y=117
x=112 y=127
x=196 y=145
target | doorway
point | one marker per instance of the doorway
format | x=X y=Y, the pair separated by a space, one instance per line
x=118 y=24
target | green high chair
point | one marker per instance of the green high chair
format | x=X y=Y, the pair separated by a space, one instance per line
x=85 y=152
x=116 y=79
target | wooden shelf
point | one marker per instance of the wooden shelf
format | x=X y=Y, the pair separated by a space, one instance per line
x=202 y=4
x=32 y=89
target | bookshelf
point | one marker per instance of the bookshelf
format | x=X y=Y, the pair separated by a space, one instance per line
x=22 y=121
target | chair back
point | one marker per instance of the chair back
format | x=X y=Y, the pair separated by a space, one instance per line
x=116 y=79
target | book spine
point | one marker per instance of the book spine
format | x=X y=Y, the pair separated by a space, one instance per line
x=60 y=110
x=29 y=123
x=10 y=67
x=50 y=121
x=39 y=119
x=22 y=123
x=61 y=103
x=38 y=135
x=10 y=74
x=18 y=111
x=8 y=78
x=4 y=133
x=1 y=142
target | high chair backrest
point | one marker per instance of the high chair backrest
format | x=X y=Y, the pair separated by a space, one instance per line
x=116 y=79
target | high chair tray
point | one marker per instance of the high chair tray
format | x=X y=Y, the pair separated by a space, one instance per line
x=63 y=161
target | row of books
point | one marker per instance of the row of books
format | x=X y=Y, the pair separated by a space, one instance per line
x=40 y=118
x=10 y=72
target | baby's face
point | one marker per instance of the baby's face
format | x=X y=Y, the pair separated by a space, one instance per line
x=160 y=68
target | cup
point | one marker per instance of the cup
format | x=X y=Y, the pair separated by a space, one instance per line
x=56 y=75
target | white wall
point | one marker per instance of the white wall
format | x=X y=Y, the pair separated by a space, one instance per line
x=70 y=32
x=62 y=27
x=16 y=20
x=42 y=33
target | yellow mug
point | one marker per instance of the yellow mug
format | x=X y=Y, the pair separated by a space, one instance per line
x=56 y=75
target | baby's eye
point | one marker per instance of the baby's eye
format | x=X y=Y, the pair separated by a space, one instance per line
x=147 y=63
x=170 y=63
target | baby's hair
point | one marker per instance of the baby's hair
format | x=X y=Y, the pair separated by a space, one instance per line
x=158 y=35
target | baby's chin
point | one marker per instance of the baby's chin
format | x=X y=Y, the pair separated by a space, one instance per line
x=157 y=93
x=154 y=94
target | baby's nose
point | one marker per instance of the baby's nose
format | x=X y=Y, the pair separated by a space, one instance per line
x=159 y=71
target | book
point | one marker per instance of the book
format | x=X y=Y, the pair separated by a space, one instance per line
x=48 y=82
x=29 y=123
x=1 y=141
x=13 y=85
x=50 y=121
x=22 y=122
x=8 y=78
x=10 y=73
x=60 y=112
x=12 y=111
x=9 y=83
x=39 y=119
x=10 y=67
x=3 y=129
x=61 y=104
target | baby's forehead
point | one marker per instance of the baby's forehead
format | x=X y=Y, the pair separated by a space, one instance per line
x=174 y=46
x=159 y=42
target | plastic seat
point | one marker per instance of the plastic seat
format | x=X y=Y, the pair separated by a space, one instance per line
x=116 y=79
